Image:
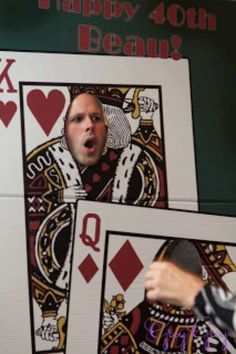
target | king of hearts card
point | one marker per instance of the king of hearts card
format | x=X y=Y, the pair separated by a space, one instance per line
x=148 y=162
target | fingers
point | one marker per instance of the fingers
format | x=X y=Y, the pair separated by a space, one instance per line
x=166 y=282
x=155 y=279
x=71 y=194
x=151 y=283
x=155 y=271
x=151 y=296
x=80 y=193
x=147 y=104
x=48 y=333
x=108 y=319
x=153 y=288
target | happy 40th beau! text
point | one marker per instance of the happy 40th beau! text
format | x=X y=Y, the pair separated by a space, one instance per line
x=91 y=39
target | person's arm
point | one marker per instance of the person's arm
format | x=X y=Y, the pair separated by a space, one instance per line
x=168 y=283
x=218 y=305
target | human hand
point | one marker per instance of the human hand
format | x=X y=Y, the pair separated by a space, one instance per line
x=72 y=194
x=148 y=106
x=48 y=330
x=109 y=320
x=166 y=282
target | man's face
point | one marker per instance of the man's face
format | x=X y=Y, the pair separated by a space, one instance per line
x=85 y=130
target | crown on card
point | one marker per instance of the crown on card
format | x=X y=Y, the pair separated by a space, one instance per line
x=108 y=95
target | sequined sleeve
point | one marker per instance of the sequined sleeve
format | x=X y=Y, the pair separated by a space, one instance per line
x=219 y=306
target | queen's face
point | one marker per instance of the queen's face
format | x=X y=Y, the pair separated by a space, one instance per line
x=85 y=130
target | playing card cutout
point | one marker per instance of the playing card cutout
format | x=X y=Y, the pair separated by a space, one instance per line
x=46 y=110
x=126 y=265
x=7 y=111
x=88 y=268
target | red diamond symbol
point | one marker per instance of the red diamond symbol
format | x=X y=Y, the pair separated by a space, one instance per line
x=88 y=268
x=126 y=265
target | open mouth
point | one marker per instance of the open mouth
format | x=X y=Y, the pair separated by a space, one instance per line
x=90 y=143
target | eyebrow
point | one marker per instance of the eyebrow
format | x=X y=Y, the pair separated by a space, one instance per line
x=82 y=114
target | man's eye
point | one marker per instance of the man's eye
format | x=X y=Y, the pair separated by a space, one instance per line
x=96 y=118
x=77 y=119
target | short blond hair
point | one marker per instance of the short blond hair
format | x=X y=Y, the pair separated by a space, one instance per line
x=98 y=102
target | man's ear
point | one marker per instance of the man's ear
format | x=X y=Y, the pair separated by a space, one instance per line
x=105 y=118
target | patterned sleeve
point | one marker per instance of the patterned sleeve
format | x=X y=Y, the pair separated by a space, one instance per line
x=219 y=306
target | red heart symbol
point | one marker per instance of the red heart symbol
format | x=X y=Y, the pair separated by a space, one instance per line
x=7 y=111
x=96 y=178
x=105 y=166
x=46 y=109
x=88 y=188
x=113 y=155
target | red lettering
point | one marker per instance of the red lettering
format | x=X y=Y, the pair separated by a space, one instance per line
x=176 y=42
x=76 y=6
x=158 y=14
x=4 y=75
x=92 y=7
x=88 y=240
x=191 y=18
x=134 y=47
x=152 y=48
x=88 y=37
x=203 y=21
x=107 y=12
x=44 y=4
x=163 y=49
x=66 y=6
x=112 y=43
x=112 y=9
x=211 y=22
x=70 y=6
x=130 y=10
x=202 y=18
x=176 y=15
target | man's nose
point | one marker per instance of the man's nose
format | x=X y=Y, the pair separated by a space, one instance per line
x=89 y=124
